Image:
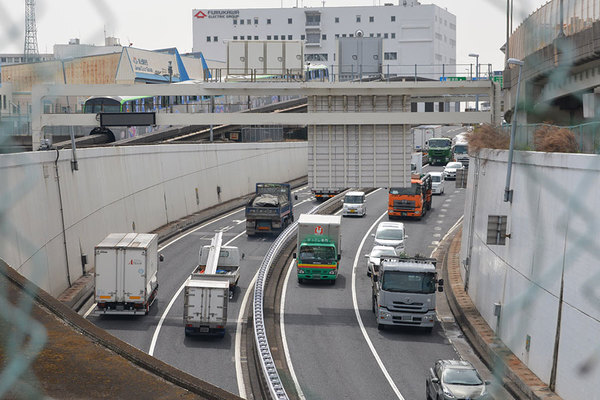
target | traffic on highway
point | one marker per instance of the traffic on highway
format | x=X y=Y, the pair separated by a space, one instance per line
x=334 y=344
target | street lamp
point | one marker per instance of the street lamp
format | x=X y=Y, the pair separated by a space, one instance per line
x=476 y=77
x=513 y=128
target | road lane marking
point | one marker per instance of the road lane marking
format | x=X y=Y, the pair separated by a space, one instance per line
x=357 y=312
x=286 y=349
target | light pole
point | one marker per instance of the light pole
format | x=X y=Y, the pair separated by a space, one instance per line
x=476 y=77
x=513 y=127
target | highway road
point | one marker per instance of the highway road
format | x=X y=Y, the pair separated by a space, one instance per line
x=161 y=332
x=331 y=333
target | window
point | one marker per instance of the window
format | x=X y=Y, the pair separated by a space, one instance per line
x=337 y=35
x=248 y=21
x=235 y=21
x=313 y=19
x=268 y=37
x=438 y=57
x=302 y=37
x=268 y=21
x=235 y=38
x=255 y=21
x=313 y=38
x=393 y=18
x=242 y=22
x=316 y=57
x=371 y=19
x=371 y=35
x=358 y=18
x=208 y=38
x=289 y=20
x=453 y=26
x=276 y=37
x=438 y=36
x=242 y=37
x=337 y=20
x=496 y=231
x=255 y=37
x=385 y=35
x=390 y=56
x=393 y=35
x=452 y=42
x=351 y=35
x=289 y=37
x=343 y=35
x=3 y=59
x=379 y=35
x=323 y=37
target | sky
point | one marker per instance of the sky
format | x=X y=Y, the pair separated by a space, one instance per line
x=153 y=24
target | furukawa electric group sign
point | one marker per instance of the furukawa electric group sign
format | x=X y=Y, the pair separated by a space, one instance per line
x=216 y=14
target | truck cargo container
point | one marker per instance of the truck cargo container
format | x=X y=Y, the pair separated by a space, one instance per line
x=125 y=278
x=319 y=247
x=205 y=306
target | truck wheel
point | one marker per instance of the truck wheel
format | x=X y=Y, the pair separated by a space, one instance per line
x=249 y=233
x=428 y=329
x=300 y=281
x=332 y=282
x=380 y=327
x=373 y=305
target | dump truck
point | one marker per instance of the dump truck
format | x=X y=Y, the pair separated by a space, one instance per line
x=270 y=210
x=125 y=278
x=207 y=290
x=403 y=291
x=412 y=201
x=318 y=247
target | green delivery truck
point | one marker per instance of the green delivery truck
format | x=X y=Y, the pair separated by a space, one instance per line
x=440 y=151
x=319 y=247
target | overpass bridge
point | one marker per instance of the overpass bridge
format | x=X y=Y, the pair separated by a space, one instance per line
x=347 y=103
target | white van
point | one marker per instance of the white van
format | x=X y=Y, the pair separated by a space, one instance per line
x=354 y=204
x=437 y=182
x=391 y=234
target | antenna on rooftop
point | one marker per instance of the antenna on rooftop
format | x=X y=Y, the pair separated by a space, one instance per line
x=30 y=52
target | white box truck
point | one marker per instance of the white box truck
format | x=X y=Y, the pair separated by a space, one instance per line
x=125 y=279
x=205 y=306
x=319 y=247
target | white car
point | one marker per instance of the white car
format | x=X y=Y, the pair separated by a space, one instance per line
x=451 y=168
x=390 y=234
x=374 y=258
x=437 y=182
x=354 y=204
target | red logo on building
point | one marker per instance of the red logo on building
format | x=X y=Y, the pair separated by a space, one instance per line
x=319 y=230
x=199 y=14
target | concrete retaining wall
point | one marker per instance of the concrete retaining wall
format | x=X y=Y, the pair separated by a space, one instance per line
x=545 y=276
x=119 y=190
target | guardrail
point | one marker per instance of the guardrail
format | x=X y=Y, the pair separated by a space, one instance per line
x=260 y=334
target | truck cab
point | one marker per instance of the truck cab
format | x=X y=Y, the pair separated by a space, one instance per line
x=319 y=247
x=413 y=201
x=403 y=292
x=439 y=150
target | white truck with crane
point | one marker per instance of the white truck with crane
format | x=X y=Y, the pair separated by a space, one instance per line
x=208 y=289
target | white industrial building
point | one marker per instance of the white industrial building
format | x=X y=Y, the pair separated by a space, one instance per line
x=411 y=33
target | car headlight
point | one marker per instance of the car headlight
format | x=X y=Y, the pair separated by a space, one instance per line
x=384 y=314
x=300 y=271
x=332 y=272
x=448 y=393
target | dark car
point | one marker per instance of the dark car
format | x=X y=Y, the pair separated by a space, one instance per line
x=456 y=380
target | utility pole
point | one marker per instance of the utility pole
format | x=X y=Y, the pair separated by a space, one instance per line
x=30 y=52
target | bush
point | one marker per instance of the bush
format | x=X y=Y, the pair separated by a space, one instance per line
x=555 y=139
x=488 y=137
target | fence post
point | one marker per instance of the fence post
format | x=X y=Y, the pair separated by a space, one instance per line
x=415 y=72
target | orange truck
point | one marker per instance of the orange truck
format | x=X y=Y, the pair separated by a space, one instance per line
x=412 y=201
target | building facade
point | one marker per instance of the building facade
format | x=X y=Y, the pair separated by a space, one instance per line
x=412 y=33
